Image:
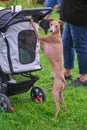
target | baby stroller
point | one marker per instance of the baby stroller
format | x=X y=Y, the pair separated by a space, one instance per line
x=19 y=54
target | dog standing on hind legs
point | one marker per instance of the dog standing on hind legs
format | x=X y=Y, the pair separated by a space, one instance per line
x=53 y=50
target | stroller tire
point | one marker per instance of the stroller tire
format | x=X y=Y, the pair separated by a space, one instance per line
x=4 y=103
x=38 y=94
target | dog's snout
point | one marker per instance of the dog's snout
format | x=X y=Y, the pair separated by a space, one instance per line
x=51 y=30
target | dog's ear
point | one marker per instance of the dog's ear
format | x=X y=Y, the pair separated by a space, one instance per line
x=51 y=20
x=60 y=22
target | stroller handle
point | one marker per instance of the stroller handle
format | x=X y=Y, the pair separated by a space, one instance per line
x=38 y=13
x=33 y=11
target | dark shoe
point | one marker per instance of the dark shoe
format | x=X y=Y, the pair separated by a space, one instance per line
x=85 y=83
x=68 y=77
x=77 y=82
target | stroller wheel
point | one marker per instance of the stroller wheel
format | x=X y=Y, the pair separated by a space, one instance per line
x=4 y=103
x=38 y=94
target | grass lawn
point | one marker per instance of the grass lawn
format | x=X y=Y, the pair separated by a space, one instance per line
x=28 y=115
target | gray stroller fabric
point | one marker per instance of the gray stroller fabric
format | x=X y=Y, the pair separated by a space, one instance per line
x=5 y=15
x=22 y=49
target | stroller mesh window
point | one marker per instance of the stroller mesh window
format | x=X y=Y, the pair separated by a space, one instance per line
x=27 y=43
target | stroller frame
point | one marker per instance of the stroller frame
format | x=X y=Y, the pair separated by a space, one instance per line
x=9 y=87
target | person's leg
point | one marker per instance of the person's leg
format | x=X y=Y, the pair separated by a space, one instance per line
x=59 y=2
x=68 y=50
x=50 y=3
x=79 y=35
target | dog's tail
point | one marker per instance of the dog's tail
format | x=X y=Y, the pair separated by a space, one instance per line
x=64 y=84
x=50 y=89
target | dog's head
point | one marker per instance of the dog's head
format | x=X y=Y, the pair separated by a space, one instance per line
x=51 y=24
x=54 y=26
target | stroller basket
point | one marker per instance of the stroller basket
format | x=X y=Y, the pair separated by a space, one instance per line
x=19 y=47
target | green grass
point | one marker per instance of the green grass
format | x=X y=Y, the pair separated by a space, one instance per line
x=28 y=115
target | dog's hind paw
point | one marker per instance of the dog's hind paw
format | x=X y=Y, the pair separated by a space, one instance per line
x=64 y=108
x=56 y=115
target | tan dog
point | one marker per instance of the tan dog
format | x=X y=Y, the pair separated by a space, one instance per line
x=54 y=52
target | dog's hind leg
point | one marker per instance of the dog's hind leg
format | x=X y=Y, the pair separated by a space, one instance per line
x=62 y=100
x=55 y=93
